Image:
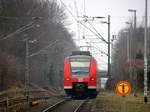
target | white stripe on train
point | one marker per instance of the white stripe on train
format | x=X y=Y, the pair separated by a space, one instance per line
x=70 y=87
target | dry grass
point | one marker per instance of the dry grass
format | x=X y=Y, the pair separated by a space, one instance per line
x=112 y=102
x=16 y=92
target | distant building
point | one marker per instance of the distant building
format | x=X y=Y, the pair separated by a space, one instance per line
x=103 y=79
x=103 y=82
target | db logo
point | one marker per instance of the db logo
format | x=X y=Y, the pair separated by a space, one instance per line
x=80 y=80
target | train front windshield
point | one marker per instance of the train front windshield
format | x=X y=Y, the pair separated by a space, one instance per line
x=80 y=66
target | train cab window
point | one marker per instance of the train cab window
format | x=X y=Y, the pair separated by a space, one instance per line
x=80 y=66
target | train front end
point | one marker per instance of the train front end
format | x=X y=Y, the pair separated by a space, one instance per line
x=80 y=75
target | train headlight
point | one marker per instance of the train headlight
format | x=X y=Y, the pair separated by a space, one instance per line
x=92 y=79
x=68 y=79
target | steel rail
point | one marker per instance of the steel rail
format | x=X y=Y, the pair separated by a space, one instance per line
x=53 y=107
x=78 y=109
x=60 y=103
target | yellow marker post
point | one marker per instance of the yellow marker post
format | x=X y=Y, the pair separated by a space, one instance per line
x=123 y=88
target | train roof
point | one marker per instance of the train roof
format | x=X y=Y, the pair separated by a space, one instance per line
x=87 y=53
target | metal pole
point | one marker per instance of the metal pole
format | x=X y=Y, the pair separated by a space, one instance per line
x=109 y=66
x=135 y=21
x=134 y=53
x=112 y=47
x=145 y=56
x=130 y=53
x=135 y=73
x=134 y=36
x=123 y=104
x=128 y=58
x=27 y=71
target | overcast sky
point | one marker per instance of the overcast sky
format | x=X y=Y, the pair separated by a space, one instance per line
x=117 y=9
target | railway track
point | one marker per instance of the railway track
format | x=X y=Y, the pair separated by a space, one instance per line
x=13 y=101
x=67 y=105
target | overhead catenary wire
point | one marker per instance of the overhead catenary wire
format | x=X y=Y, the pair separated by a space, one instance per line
x=20 y=30
x=98 y=49
x=99 y=35
x=9 y=17
x=80 y=22
x=97 y=32
x=84 y=8
x=23 y=28
x=76 y=8
x=29 y=25
x=93 y=32
x=100 y=59
x=43 y=49
x=84 y=14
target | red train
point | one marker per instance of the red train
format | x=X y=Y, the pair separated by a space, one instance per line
x=80 y=75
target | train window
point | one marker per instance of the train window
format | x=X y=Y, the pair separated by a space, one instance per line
x=80 y=66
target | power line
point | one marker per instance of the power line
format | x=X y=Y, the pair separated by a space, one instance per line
x=99 y=49
x=24 y=28
x=29 y=25
x=76 y=8
x=97 y=32
x=101 y=59
x=92 y=31
x=68 y=10
x=84 y=8
x=8 y=17
x=43 y=49
x=79 y=21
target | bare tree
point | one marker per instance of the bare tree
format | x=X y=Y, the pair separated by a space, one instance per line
x=23 y=17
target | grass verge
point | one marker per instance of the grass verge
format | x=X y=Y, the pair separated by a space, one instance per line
x=112 y=102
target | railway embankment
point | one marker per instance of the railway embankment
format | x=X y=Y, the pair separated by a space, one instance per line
x=112 y=102
x=14 y=99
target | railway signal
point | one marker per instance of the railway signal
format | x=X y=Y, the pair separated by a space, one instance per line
x=123 y=88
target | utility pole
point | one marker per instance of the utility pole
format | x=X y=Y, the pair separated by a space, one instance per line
x=145 y=56
x=135 y=73
x=112 y=48
x=27 y=77
x=27 y=71
x=18 y=31
x=134 y=52
x=107 y=42
x=129 y=51
x=109 y=66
